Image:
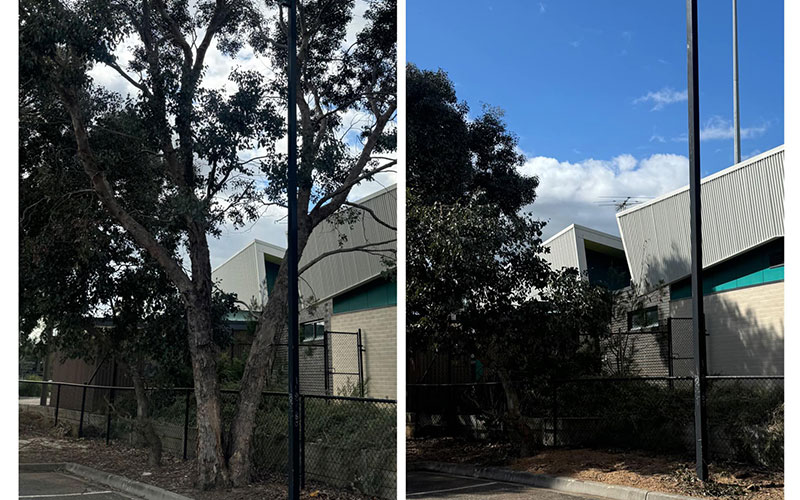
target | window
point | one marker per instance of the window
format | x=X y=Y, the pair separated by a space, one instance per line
x=313 y=330
x=776 y=259
x=643 y=318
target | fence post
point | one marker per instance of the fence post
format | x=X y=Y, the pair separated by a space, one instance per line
x=302 y=441
x=83 y=409
x=554 y=409
x=360 y=363
x=670 y=358
x=58 y=402
x=186 y=423
x=110 y=404
x=326 y=368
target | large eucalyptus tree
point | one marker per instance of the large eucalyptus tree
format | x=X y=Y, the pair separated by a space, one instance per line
x=215 y=155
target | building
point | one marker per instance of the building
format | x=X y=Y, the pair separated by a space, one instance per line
x=348 y=298
x=743 y=261
x=597 y=255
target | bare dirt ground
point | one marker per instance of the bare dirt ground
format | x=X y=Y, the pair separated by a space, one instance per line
x=639 y=470
x=39 y=442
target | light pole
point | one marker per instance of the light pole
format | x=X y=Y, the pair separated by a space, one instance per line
x=698 y=315
x=293 y=360
x=737 y=140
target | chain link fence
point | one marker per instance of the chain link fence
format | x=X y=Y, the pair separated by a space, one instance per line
x=346 y=442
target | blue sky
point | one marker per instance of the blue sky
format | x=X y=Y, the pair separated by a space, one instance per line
x=596 y=90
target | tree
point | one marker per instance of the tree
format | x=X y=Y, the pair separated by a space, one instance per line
x=201 y=144
x=87 y=285
x=477 y=280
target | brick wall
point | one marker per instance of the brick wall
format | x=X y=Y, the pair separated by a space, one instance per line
x=379 y=336
x=745 y=329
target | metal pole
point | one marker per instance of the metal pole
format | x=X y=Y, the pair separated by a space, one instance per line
x=360 y=362
x=110 y=403
x=58 y=402
x=698 y=316
x=326 y=368
x=293 y=359
x=303 y=442
x=737 y=142
x=83 y=408
x=186 y=423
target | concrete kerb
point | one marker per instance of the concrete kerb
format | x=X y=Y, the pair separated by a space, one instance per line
x=565 y=484
x=136 y=488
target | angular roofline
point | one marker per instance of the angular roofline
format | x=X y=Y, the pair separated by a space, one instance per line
x=584 y=229
x=706 y=179
x=282 y=250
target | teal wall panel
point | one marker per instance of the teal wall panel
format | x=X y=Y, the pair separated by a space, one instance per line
x=755 y=267
x=377 y=293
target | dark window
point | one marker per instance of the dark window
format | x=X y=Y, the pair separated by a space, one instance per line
x=776 y=259
x=313 y=330
x=643 y=318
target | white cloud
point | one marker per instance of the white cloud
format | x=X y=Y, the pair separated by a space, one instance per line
x=542 y=8
x=717 y=127
x=577 y=192
x=661 y=98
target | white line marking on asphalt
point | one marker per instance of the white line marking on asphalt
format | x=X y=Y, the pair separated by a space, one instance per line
x=68 y=494
x=449 y=489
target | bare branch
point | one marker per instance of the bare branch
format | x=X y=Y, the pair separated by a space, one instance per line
x=367 y=248
x=372 y=213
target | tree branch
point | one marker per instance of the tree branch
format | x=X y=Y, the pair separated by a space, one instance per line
x=367 y=247
x=372 y=213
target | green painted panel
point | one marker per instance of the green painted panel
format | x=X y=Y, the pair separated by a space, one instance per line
x=378 y=293
x=753 y=268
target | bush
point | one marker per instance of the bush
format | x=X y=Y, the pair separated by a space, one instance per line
x=30 y=390
x=745 y=420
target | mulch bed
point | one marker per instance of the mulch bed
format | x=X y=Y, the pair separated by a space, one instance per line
x=639 y=470
x=39 y=442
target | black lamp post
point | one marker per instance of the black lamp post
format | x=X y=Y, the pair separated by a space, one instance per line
x=698 y=315
x=291 y=254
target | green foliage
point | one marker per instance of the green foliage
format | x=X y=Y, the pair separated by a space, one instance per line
x=477 y=279
x=30 y=390
x=748 y=419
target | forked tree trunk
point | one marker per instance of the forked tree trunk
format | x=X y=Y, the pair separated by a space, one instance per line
x=258 y=368
x=144 y=424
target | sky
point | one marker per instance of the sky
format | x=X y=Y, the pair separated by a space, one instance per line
x=596 y=91
x=272 y=225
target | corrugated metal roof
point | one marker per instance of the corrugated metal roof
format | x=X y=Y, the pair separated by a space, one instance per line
x=343 y=271
x=742 y=208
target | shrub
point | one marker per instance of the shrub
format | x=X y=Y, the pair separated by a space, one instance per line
x=30 y=390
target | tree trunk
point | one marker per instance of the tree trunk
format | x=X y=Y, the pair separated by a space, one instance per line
x=520 y=431
x=259 y=366
x=212 y=471
x=144 y=425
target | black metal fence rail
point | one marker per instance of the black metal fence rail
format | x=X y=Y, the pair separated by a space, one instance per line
x=345 y=441
x=745 y=413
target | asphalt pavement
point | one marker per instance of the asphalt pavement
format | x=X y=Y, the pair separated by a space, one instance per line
x=57 y=485
x=433 y=485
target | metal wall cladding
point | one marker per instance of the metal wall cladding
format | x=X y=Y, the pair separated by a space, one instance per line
x=240 y=274
x=563 y=250
x=742 y=207
x=342 y=271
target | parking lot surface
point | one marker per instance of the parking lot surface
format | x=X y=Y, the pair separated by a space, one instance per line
x=424 y=485
x=60 y=485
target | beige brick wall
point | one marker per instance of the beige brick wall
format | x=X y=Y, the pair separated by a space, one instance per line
x=379 y=336
x=745 y=329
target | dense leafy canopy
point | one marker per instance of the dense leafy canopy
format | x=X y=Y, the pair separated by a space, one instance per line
x=477 y=279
